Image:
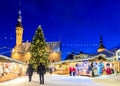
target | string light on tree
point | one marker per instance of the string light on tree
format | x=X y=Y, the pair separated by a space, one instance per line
x=38 y=49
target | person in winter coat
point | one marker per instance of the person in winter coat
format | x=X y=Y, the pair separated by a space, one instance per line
x=90 y=70
x=29 y=72
x=50 y=70
x=70 y=70
x=74 y=71
x=108 y=71
x=41 y=71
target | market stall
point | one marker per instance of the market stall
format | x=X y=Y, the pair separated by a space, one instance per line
x=10 y=68
x=60 y=67
x=98 y=63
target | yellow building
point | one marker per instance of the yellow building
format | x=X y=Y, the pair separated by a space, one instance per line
x=55 y=54
x=20 y=51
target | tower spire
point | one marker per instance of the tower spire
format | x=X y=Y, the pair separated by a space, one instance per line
x=101 y=47
x=19 y=28
x=19 y=22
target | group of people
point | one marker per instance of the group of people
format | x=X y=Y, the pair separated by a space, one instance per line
x=92 y=69
x=99 y=69
x=72 y=70
x=40 y=70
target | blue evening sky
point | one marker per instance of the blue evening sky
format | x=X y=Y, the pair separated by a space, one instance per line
x=78 y=24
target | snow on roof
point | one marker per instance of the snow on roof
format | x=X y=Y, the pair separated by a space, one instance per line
x=8 y=59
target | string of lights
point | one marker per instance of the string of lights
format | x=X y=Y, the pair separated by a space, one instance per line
x=5 y=50
x=66 y=44
x=6 y=38
x=73 y=47
x=6 y=42
x=80 y=45
x=2 y=47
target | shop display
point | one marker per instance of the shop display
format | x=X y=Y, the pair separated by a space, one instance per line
x=10 y=69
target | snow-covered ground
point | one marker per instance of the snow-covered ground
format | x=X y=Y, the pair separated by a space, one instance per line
x=108 y=80
x=65 y=80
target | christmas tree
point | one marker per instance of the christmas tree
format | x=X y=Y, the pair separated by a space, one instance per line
x=38 y=49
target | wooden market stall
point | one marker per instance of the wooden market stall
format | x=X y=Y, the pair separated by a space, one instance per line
x=60 y=67
x=63 y=66
x=116 y=65
x=10 y=68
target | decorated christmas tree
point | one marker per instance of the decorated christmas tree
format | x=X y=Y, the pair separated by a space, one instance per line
x=38 y=49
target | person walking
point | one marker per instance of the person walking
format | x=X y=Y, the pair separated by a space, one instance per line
x=90 y=70
x=41 y=71
x=70 y=70
x=74 y=71
x=29 y=72
x=50 y=70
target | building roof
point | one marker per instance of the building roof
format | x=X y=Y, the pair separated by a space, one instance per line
x=94 y=57
x=24 y=47
x=8 y=59
x=107 y=53
x=101 y=56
